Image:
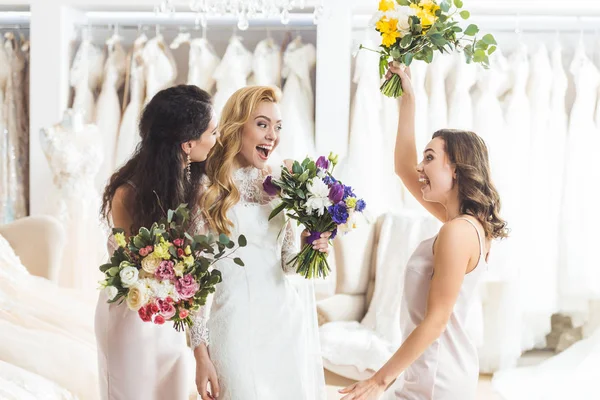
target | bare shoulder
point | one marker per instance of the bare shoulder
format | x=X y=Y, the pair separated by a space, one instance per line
x=459 y=235
x=122 y=198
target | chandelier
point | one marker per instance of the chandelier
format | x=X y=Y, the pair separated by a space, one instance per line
x=244 y=10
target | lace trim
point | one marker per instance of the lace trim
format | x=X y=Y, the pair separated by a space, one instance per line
x=199 y=332
x=249 y=182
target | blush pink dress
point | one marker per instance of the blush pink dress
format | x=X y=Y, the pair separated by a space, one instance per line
x=449 y=368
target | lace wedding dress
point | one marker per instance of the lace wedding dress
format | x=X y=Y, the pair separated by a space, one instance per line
x=202 y=65
x=86 y=77
x=261 y=327
x=74 y=153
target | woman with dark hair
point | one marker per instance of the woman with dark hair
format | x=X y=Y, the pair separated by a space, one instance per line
x=139 y=360
x=438 y=360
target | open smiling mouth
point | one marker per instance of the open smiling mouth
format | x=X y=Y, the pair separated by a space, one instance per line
x=264 y=151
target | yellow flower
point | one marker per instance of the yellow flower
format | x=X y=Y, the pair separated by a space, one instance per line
x=161 y=250
x=382 y=25
x=425 y=11
x=120 y=239
x=188 y=251
x=179 y=268
x=389 y=38
x=386 y=5
x=188 y=261
x=351 y=202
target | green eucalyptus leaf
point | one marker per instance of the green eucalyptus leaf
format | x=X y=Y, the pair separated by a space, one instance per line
x=238 y=261
x=471 y=30
x=223 y=239
x=458 y=3
x=491 y=50
x=242 y=241
x=489 y=39
x=464 y=14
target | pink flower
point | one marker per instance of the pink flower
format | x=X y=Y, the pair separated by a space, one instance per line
x=183 y=313
x=150 y=249
x=170 y=300
x=153 y=309
x=165 y=271
x=159 y=320
x=167 y=309
x=178 y=242
x=144 y=252
x=180 y=253
x=142 y=312
x=186 y=287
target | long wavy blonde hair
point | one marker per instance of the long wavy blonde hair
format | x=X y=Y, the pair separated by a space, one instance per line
x=221 y=193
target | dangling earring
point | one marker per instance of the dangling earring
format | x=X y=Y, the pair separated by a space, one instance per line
x=188 y=169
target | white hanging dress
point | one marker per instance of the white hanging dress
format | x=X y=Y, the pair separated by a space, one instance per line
x=232 y=72
x=266 y=64
x=6 y=213
x=298 y=103
x=365 y=151
x=460 y=107
x=202 y=65
x=541 y=267
x=160 y=67
x=128 y=131
x=436 y=87
x=86 y=76
x=501 y=343
x=579 y=279
x=108 y=108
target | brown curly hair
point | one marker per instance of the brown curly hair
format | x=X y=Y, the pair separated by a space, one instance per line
x=477 y=194
x=221 y=193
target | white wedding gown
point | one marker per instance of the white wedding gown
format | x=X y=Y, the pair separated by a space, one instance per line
x=572 y=374
x=47 y=344
x=436 y=88
x=160 y=66
x=366 y=149
x=298 y=103
x=540 y=270
x=108 y=109
x=128 y=131
x=460 y=107
x=262 y=322
x=202 y=65
x=74 y=158
x=500 y=346
x=86 y=77
x=579 y=279
x=232 y=72
x=266 y=64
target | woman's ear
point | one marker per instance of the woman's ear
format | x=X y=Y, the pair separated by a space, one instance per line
x=187 y=146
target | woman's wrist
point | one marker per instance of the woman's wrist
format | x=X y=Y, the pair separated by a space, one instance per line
x=201 y=352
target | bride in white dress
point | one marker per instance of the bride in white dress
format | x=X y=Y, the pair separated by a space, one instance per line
x=258 y=340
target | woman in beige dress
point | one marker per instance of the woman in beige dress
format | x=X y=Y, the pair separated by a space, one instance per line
x=437 y=358
x=139 y=360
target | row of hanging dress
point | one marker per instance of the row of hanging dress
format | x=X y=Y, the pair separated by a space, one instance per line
x=14 y=128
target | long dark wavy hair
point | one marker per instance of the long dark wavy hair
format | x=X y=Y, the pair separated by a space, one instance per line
x=477 y=194
x=156 y=169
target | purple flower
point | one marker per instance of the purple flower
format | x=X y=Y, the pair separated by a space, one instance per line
x=336 y=193
x=270 y=188
x=360 y=205
x=348 y=192
x=333 y=234
x=329 y=180
x=322 y=162
x=165 y=271
x=186 y=287
x=339 y=213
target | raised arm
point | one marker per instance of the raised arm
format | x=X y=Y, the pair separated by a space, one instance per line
x=405 y=153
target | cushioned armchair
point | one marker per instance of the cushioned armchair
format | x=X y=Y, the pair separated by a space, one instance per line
x=39 y=242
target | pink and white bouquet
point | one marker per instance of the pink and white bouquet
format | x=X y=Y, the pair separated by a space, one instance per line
x=163 y=273
x=314 y=198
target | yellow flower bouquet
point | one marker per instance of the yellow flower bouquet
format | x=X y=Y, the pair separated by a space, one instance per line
x=414 y=29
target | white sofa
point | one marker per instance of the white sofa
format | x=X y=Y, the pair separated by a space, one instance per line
x=39 y=242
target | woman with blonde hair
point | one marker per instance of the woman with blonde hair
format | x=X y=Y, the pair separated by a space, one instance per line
x=438 y=360
x=263 y=333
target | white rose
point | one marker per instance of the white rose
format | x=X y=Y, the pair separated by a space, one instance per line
x=150 y=264
x=111 y=292
x=137 y=297
x=129 y=276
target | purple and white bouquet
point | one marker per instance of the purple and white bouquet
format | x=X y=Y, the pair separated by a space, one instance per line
x=314 y=198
